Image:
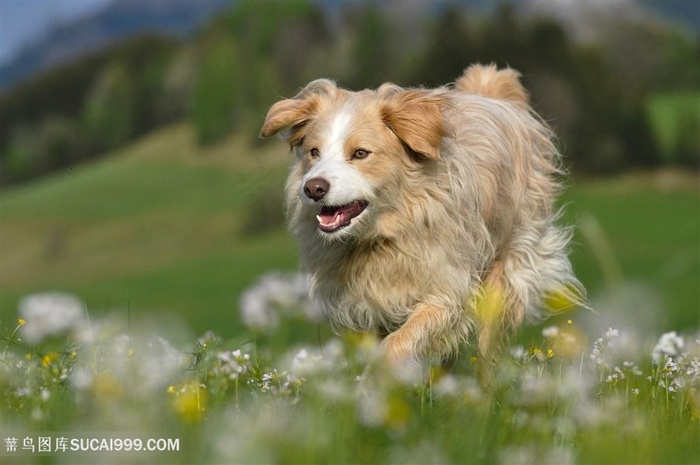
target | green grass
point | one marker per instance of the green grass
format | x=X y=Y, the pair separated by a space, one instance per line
x=306 y=405
x=653 y=235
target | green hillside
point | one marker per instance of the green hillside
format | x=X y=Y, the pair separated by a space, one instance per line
x=675 y=121
x=157 y=226
x=164 y=227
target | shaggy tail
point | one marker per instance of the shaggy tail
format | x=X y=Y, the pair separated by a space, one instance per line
x=491 y=82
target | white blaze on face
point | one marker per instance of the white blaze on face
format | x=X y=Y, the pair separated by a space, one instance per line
x=346 y=183
x=337 y=134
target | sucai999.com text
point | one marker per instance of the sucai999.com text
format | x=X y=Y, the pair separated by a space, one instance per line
x=63 y=444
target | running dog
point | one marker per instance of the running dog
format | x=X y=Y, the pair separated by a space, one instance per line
x=426 y=215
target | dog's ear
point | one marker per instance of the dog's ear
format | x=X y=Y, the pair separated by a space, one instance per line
x=389 y=88
x=288 y=117
x=489 y=81
x=415 y=117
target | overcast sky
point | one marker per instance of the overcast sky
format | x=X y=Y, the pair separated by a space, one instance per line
x=26 y=20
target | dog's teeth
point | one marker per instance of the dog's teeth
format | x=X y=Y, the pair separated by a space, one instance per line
x=318 y=217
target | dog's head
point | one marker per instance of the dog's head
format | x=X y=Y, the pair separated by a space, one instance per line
x=355 y=151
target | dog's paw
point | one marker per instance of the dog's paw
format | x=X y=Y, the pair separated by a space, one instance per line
x=398 y=354
x=395 y=349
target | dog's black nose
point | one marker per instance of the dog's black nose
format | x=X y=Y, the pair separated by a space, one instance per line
x=316 y=188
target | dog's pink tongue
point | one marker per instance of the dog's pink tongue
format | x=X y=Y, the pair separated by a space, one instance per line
x=331 y=217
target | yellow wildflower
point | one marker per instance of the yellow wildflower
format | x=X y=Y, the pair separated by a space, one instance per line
x=398 y=413
x=48 y=359
x=107 y=387
x=22 y=321
x=190 y=402
x=362 y=341
x=571 y=342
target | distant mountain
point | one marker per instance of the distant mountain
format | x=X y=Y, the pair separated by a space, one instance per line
x=585 y=20
x=119 y=20
x=122 y=19
x=685 y=13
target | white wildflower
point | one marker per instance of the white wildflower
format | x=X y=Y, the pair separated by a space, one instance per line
x=50 y=314
x=275 y=295
x=447 y=386
x=672 y=384
x=631 y=368
x=306 y=363
x=692 y=367
x=234 y=364
x=159 y=362
x=148 y=363
x=599 y=352
x=452 y=386
x=536 y=388
x=628 y=369
x=423 y=452
x=573 y=385
x=335 y=390
x=550 y=332
x=275 y=382
x=559 y=455
x=517 y=455
x=81 y=378
x=613 y=347
x=674 y=373
x=209 y=339
x=669 y=345
x=518 y=353
x=323 y=365
x=372 y=407
x=670 y=366
x=334 y=354
x=529 y=454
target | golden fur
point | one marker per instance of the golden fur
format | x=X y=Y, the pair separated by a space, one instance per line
x=459 y=187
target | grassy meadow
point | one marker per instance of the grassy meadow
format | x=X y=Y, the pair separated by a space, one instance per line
x=159 y=240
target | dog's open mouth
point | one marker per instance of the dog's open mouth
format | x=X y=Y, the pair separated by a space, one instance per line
x=333 y=218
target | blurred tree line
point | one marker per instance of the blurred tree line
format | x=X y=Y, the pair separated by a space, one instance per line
x=596 y=94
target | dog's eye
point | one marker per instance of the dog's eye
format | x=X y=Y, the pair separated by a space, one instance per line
x=314 y=153
x=359 y=154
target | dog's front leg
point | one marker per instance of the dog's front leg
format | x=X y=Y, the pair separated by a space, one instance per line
x=420 y=338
